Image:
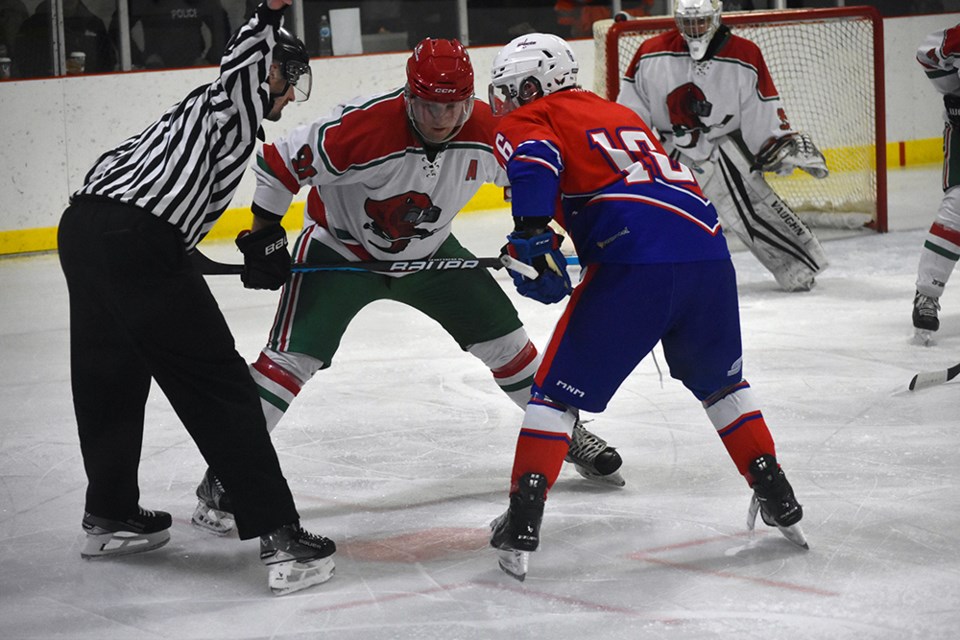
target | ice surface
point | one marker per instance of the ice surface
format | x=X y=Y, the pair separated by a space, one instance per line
x=401 y=452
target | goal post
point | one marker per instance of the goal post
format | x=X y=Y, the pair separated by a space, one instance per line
x=827 y=65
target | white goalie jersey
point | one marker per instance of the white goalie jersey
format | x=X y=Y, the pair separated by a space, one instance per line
x=694 y=104
x=939 y=55
x=376 y=194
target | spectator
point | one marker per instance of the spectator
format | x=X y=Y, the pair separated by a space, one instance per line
x=12 y=15
x=176 y=33
x=82 y=30
x=576 y=17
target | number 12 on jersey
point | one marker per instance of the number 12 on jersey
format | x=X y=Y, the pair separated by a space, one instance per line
x=633 y=157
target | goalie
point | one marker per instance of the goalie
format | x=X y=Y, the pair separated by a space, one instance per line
x=713 y=102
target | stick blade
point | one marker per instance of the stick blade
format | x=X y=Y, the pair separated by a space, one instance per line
x=928 y=379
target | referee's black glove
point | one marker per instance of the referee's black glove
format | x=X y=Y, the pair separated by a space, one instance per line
x=266 y=261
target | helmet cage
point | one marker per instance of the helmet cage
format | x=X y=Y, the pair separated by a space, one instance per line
x=698 y=21
x=290 y=55
x=298 y=75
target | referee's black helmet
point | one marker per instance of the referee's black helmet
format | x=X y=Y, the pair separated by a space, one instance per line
x=291 y=54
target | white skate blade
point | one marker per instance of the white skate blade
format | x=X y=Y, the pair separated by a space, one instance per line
x=923 y=337
x=752 y=512
x=793 y=533
x=122 y=543
x=290 y=576
x=610 y=480
x=514 y=563
x=219 y=523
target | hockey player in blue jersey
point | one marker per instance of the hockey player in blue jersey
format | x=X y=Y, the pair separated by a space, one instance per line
x=656 y=269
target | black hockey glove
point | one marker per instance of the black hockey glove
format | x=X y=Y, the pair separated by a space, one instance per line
x=952 y=105
x=266 y=261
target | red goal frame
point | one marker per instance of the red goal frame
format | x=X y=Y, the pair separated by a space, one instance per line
x=612 y=78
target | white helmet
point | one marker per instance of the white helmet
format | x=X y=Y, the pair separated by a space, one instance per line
x=530 y=67
x=697 y=21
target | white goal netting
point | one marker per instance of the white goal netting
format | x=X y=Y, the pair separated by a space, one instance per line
x=827 y=66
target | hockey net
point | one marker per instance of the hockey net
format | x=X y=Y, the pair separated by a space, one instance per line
x=828 y=68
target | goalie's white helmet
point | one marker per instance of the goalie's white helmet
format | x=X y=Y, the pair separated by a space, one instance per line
x=530 y=67
x=697 y=21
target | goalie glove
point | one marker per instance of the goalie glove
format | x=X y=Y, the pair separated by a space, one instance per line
x=541 y=251
x=792 y=151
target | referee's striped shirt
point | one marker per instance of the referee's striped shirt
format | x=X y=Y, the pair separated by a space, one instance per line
x=186 y=166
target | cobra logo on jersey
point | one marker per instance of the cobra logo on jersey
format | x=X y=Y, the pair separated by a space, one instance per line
x=687 y=104
x=395 y=219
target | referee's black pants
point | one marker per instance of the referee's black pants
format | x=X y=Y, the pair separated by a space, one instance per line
x=139 y=310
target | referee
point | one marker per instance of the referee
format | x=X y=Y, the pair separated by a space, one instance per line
x=139 y=310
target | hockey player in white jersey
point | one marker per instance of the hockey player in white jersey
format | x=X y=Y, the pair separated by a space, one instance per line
x=712 y=100
x=387 y=174
x=939 y=55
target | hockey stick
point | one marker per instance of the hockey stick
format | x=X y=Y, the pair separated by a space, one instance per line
x=933 y=378
x=211 y=267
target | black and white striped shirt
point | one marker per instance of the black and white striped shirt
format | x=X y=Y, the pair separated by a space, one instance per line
x=186 y=166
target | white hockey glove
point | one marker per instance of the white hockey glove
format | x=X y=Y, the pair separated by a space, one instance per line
x=792 y=151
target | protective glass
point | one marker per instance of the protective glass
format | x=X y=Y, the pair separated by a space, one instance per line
x=504 y=98
x=299 y=76
x=428 y=115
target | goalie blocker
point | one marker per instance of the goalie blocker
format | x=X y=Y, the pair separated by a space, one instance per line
x=750 y=209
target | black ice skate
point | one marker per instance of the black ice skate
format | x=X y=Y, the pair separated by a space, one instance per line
x=214 y=512
x=925 y=320
x=143 y=531
x=297 y=559
x=773 y=498
x=593 y=458
x=517 y=532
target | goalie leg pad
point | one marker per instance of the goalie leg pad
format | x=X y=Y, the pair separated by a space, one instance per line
x=752 y=211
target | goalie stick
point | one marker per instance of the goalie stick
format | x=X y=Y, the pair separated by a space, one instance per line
x=210 y=267
x=933 y=378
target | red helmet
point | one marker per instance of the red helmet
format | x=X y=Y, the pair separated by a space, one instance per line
x=440 y=71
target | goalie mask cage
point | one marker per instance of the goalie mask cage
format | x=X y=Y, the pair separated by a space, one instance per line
x=827 y=65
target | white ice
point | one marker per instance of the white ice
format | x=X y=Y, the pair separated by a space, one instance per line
x=401 y=452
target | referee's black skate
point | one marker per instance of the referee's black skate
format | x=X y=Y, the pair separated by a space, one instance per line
x=774 y=500
x=593 y=458
x=517 y=531
x=142 y=531
x=214 y=512
x=297 y=558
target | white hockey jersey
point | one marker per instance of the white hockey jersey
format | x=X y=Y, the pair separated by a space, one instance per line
x=375 y=192
x=939 y=55
x=693 y=104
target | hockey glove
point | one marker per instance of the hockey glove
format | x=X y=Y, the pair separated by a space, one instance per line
x=952 y=105
x=542 y=251
x=266 y=261
x=792 y=151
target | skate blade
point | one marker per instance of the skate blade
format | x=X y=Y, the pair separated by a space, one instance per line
x=291 y=576
x=610 y=480
x=923 y=337
x=794 y=534
x=122 y=543
x=219 y=523
x=514 y=563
